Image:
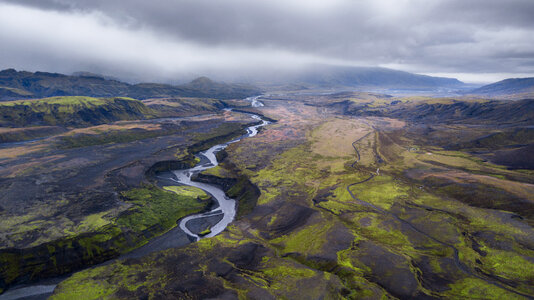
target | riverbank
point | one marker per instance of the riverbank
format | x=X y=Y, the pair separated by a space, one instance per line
x=131 y=228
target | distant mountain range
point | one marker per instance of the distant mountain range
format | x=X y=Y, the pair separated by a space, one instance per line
x=16 y=85
x=25 y=85
x=507 y=87
x=367 y=77
x=348 y=78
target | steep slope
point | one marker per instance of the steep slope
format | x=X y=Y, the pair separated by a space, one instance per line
x=7 y=93
x=323 y=76
x=210 y=88
x=182 y=107
x=42 y=84
x=451 y=111
x=200 y=87
x=70 y=111
x=23 y=85
x=374 y=77
x=507 y=86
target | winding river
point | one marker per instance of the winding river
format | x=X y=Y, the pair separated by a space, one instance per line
x=226 y=208
x=254 y=102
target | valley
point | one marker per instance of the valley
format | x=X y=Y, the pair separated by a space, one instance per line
x=89 y=193
x=345 y=195
x=265 y=150
x=379 y=203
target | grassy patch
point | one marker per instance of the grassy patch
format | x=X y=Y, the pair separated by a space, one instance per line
x=153 y=206
x=304 y=179
x=92 y=283
x=508 y=264
x=309 y=239
x=473 y=288
x=187 y=191
x=283 y=272
x=381 y=191
x=41 y=104
x=205 y=232
x=92 y=222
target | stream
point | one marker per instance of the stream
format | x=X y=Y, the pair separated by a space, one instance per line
x=254 y=102
x=226 y=208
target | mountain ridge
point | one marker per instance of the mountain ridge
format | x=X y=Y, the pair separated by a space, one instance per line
x=74 y=111
x=328 y=76
x=15 y=85
x=506 y=87
x=377 y=76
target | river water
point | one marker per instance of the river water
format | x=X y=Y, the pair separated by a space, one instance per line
x=254 y=102
x=226 y=208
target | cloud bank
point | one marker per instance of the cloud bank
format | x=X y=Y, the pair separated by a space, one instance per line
x=169 y=40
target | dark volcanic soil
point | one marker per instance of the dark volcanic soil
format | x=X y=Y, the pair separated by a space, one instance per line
x=55 y=195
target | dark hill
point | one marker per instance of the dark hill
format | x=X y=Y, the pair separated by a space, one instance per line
x=198 y=88
x=374 y=77
x=209 y=87
x=507 y=87
x=469 y=112
x=24 y=85
x=323 y=76
x=42 y=84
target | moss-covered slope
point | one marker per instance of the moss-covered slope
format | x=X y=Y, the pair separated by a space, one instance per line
x=103 y=236
x=71 y=111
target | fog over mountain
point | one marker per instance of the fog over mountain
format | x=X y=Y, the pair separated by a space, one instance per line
x=175 y=41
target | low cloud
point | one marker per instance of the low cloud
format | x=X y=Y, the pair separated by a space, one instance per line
x=166 y=40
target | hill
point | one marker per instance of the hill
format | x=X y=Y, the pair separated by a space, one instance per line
x=201 y=87
x=375 y=77
x=321 y=76
x=42 y=84
x=16 y=85
x=453 y=111
x=507 y=87
x=23 y=120
x=70 y=111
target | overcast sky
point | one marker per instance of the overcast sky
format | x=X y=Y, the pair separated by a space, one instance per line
x=165 y=40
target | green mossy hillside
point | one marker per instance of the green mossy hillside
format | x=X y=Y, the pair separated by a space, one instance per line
x=242 y=268
x=153 y=206
x=76 y=111
x=153 y=211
